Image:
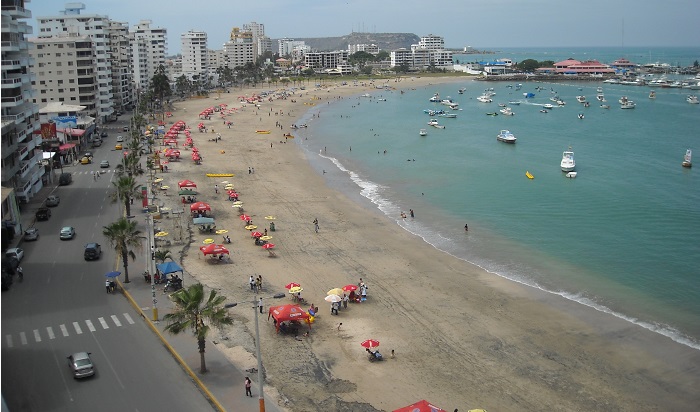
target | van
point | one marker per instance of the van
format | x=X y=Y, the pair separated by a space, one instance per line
x=96 y=142
x=65 y=179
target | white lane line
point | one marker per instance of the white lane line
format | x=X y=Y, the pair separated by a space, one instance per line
x=104 y=323
x=49 y=330
x=128 y=319
x=64 y=330
x=23 y=338
x=37 y=336
x=90 y=326
x=77 y=328
x=8 y=339
x=115 y=319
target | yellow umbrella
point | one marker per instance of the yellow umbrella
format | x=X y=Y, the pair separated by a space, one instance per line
x=208 y=241
x=221 y=231
x=161 y=234
x=266 y=238
x=270 y=217
x=336 y=291
x=251 y=227
x=165 y=187
x=237 y=206
x=229 y=186
x=296 y=289
x=237 y=202
x=158 y=180
x=225 y=182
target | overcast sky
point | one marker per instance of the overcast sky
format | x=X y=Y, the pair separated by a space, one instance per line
x=482 y=24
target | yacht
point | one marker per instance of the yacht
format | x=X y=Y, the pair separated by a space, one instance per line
x=435 y=98
x=506 y=137
x=484 y=98
x=692 y=99
x=423 y=132
x=507 y=111
x=687 y=159
x=629 y=104
x=580 y=99
x=652 y=94
x=568 y=164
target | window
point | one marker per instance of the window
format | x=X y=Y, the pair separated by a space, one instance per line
x=43 y=100
x=58 y=54
x=60 y=46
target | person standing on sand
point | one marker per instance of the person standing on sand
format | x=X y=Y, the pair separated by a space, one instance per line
x=260 y=305
x=411 y=211
x=466 y=227
x=315 y=222
x=248 y=392
x=252 y=283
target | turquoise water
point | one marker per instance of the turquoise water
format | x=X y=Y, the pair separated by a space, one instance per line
x=622 y=237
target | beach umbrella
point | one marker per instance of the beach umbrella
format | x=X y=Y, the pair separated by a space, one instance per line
x=237 y=206
x=292 y=285
x=256 y=234
x=213 y=249
x=266 y=238
x=186 y=183
x=237 y=202
x=270 y=217
x=161 y=234
x=370 y=343
x=295 y=289
x=208 y=241
x=251 y=227
x=158 y=180
x=333 y=298
x=199 y=206
x=268 y=246
x=425 y=406
x=350 y=288
x=244 y=217
x=221 y=231
x=112 y=274
x=335 y=291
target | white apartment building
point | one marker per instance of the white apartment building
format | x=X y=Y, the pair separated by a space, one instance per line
x=367 y=48
x=285 y=47
x=217 y=58
x=257 y=31
x=72 y=22
x=149 y=46
x=326 y=60
x=431 y=42
x=119 y=58
x=430 y=51
x=21 y=150
x=195 y=64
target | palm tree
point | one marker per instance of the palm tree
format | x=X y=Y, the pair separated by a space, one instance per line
x=191 y=313
x=162 y=255
x=123 y=236
x=126 y=189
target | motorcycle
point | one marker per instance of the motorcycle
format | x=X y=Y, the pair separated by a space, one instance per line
x=173 y=285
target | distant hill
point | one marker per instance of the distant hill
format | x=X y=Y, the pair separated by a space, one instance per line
x=385 y=41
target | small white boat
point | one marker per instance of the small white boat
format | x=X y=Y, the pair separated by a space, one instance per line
x=544 y=111
x=561 y=102
x=692 y=99
x=605 y=106
x=652 y=94
x=580 y=99
x=629 y=104
x=448 y=115
x=571 y=175
x=687 y=159
x=502 y=105
x=548 y=106
x=432 y=122
x=514 y=103
x=484 y=99
x=599 y=90
x=435 y=98
x=423 y=132
x=506 y=111
x=366 y=95
x=506 y=137
x=600 y=97
x=461 y=90
x=568 y=164
x=581 y=116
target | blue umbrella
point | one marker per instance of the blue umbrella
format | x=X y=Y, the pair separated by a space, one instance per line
x=112 y=274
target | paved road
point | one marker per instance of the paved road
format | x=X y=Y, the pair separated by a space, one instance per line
x=62 y=307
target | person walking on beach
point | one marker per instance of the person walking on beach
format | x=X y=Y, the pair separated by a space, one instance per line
x=411 y=211
x=216 y=189
x=346 y=299
x=315 y=222
x=252 y=283
x=260 y=305
x=466 y=227
x=248 y=383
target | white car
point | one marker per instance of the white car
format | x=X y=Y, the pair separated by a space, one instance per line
x=31 y=234
x=16 y=253
x=120 y=138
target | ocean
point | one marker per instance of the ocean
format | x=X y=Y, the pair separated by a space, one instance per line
x=622 y=237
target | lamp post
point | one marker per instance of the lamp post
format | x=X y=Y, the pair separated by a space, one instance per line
x=149 y=265
x=261 y=396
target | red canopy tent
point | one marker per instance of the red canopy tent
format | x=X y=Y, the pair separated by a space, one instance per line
x=186 y=183
x=286 y=313
x=214 y=250
x=199 y=206
x=420 y=406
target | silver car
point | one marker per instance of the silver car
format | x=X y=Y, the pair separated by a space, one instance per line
x=81 y=365
x=67 y=232
x=31 y=234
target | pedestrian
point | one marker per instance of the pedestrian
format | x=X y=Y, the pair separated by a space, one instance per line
x=247 y=387
x=250 y=170
x=252 y=283
x=411 y=211
x=258 y=284
x=466 y=227
x=216 y=189
x=260 y=305
x=315 y=222
x=253 y=170
x=265 y=232
x=131 y=200
x=346 y=299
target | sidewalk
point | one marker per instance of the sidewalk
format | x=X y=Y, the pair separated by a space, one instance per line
x=223 y=379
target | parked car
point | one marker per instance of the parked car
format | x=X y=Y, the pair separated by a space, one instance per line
x=65 y=179
x=31 y=234
x=125 y=128
x=81 y=364
x=85 y=160
x=103 y=134
x=44 y=213
x=67 y=232
x=120 y=138
x=104 y=164
x=93 y=251
x=118 y=146
x=53 y=200
x=14 y=253
x=96 y=142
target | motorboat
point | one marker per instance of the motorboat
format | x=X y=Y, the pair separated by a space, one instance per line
x=435 y=98
x=548 y=106
x=586 y=104
x=571 y=175
x=629 y=104
x=604 y=106
x=529 y=175
x=687 y=159
x=366 y=95
x=506 y=137
x=461 y=90
x=423 y=132
x=599 y=90
x=561 y=102
x=506 y=111
x=581 y=99
x=652 y=94
x=448 y=115
x=492 y=114
x=514 y=103
x=434 y=123
x=544 y=111
x=692 y=99
x=581 y=116
x=554 y=99
x=568 y=164
x=484 y=99
x=433 y=113
x=502 y=105
x=600 y=97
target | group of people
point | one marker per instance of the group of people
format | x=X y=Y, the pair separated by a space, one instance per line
x=255 y=283
x=189 y=199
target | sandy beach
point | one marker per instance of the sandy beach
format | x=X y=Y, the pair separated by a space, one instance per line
x=462 y=338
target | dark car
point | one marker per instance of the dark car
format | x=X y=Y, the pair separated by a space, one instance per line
x=93 y=251
x=65 y=179
x=44 y=213
x=103 y=134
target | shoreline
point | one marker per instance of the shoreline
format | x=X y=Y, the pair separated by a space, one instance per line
x=519 y=344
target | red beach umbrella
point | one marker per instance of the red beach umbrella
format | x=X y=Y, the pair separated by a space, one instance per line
x=350 y=288
x=186 y=183
x=256 y=234
x=244 y=217
x=268 y=246
x=214 y=250
x=420 y=406
x=292 y=285
x=199 y=206
x=370 y=343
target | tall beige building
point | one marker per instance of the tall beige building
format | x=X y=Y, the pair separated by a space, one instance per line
x=149 y=46
x=195 y=64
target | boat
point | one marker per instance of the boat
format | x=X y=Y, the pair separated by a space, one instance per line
x=366 y=95
x=652 y=94
x=492 y=114
x=581 y=99
x=554 y=99
x=692 y=99
x=581 y=116
x=448 y=115
x=629 y=104
x=571 y=175
x=548 y=106
x=432 y=122
x=568 y=164
x=263 y=131
x=506 y=111
x=544 y=111
x=423 y=132
x=586 y=104
x=461 y=90
x=529 y=175
x=687 y=159
x=605 y=106
x=600 y=97
x=599 y=90
x=433 y=113
x=506 y=137
x=435 y=98
x=484 y=98
x=561 y=102
x=514 y=103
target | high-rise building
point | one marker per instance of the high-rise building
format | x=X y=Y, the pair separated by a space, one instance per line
x=240 y=49
x=70 y=21
x=257 y=32
x=119 y=58
x=149 y=46
x=195 y=64
x=23 y=174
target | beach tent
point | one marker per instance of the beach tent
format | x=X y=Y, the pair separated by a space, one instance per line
x=420 y=406
x=168 y=268
x=203 y=221
x=287 y=313
x=214 y=250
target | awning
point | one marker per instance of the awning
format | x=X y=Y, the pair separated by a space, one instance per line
x=72 y=132
x=168 y=267
x=48 y=155
x=66 y=146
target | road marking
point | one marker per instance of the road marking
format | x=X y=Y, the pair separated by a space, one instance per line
x=90 y=326
x=49 y=330
x=115 y=319
x=104 y=323
x=37 y=336
x=8 y=338
x=23 y=338
x=128 y=319
x=77 y=328
x=64 y=330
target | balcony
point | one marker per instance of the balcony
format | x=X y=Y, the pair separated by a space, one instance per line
x=13 y=101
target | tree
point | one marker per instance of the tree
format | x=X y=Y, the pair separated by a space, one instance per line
x=194 y=313
x=126 y=189
x=123 y=236
x=162 y=255
x=528 y=65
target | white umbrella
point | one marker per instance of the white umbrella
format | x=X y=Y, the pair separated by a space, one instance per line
x=333 y=298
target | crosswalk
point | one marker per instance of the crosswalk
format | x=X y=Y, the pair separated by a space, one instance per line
x=65 y=330
x=90 y=172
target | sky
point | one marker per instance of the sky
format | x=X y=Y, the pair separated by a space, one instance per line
x=482 y=24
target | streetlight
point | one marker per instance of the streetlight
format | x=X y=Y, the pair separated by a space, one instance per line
x=261 y=396
x=149 y=265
